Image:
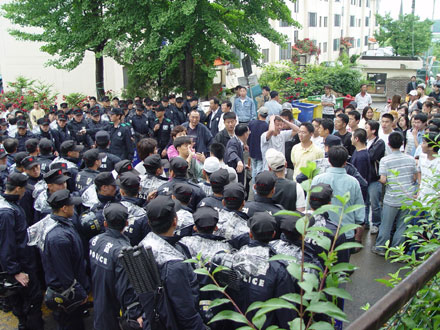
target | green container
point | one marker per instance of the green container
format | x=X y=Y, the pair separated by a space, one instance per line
x=339 y=102
x=314 y=98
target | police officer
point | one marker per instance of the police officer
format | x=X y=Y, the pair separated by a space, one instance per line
x=182 y=194
x=18 y=158
x=261 y=279
x=46 y=156
x=125 y=166
x=153 y=178
x=44 y=131
x=78 y=128
x=112 y=291
x=162 y=128
x=95 y=124
x=178 y=277
x=102 y=142
x=69 y=154
x=32 y=169
x=60 y=130
x=218 y=180
x=3 y=169
x=140 y=125
x=178 y=171
x=137 y=228
x=171 y=112
x=17 y=259
x=92 y=160
x=23 y=134
x=4 y=134
x=120 y=136
x=64 y=264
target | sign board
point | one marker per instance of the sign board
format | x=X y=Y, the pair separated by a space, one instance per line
x=253 y=81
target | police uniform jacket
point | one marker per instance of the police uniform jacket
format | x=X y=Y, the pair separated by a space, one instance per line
x=174 y=115
x=109 y=161
x=75 y=127
x=85 y=178
x=263 y=204
x=22 y=140
x=140 y=126
x=62 y=134
x=112 y=290
x=178 y=278
x=212 y=201
x=63 y=258
x=234 y=154
x=4 y=173
x=163 y=134
x=121 y=144
x=15 y=255
x=138 y=226
x=94 y=126
x=50 y=135
x=203 y=137
x=45 y=161
x=197 y=196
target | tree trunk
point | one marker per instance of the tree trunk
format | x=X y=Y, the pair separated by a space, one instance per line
x=189 y=70
x=99 y=77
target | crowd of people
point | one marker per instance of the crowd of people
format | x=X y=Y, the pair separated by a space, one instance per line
x=81 y=184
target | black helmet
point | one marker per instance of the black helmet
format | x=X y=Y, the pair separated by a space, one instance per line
x=90 y=225
x=66 y=300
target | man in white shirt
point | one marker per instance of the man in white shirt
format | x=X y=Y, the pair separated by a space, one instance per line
x=421 y=92
x=276 y=138
x=386 y=128
x=317 y=139
x=428 y=168
x=363 y=99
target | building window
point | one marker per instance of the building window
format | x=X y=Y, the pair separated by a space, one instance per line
x=367 y=21
x=296 y=7
x=358 y=42
x=286 y=52
x=324 y=47
x=366 y=41
x=295 y=36
x=337 y=20
x=335 y=44
x=265 y=53
x=325 y=21
x=352 y=20
x=320 y=21
x=283 y=24
x=367 y=3
x=360 y=3
x=314 y=42
x=312 y=19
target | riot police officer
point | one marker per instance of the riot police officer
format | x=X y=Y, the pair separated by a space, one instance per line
x=153 y=178
x=77 y=127
x=182 y=194
x=46 y=132
x=120 y=136
x=102 y=141
x=140 y=125
x=64 y=264
x=17 y=258
x=137 y=228
x=219 y=179
x=162 y=128
x=95 y=124
x=46 y=156
x=23 y=134
x=60 y=130
x=31 y=167
x=112 y=291
x=70 y=155
x=92 y=160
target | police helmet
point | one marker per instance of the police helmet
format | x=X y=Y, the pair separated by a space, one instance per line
x=90 y=225
x=66 y=300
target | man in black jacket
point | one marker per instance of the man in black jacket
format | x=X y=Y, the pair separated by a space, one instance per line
x=214 y=115
x=223 y=137
x=412 y=85
x=234 y=156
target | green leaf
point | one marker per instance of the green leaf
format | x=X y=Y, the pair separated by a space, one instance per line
x=301 y=226
x=353 y=208
x=328 y=308
x=246 y=327
x=321 y=240
x=292 y=297
x=192 y=261
x=311 y=278
x=283 y=257
x=218 y=302
x=201 y=271
x=295 y=270
x=306 y=286
x=297 y=323
x=273 y=304
x=409 y=322
x=308 y=265
x=343 y=199
x=212 y=287
x=320 y=229
x=338 y=292
x=342 y=267
x=321 y=325
x=253 y=306
x=219 y=269
x=258 y=321
x=386 y=282
x=291 y=213
x=348 y=245
x=346 y=228
x=327 y=208
x=316 y=189
x=229 y=315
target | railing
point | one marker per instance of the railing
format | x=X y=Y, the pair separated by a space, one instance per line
x=389 y=306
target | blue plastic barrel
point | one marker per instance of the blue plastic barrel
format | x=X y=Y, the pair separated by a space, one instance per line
x=306 y=114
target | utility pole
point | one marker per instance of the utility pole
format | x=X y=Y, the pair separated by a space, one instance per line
x=413 y=11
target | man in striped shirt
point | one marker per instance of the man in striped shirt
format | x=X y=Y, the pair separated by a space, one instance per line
x=398 y=190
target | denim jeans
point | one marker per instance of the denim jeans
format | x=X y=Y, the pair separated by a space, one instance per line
x=374 y=199
x=390 y=215
x=257 y=167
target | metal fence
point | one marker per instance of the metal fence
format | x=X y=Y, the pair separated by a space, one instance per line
x=388 y=310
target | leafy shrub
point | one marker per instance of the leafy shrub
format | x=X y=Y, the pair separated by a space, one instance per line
x=75 y=99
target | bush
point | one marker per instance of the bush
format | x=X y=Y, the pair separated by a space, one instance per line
x=75 y=99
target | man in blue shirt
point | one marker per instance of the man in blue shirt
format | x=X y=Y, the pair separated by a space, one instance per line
x=244 y=107
x=273 y=105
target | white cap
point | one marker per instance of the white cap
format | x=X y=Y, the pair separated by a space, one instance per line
x=413 y=93
x=287 y=105
x=211 y=165
x=275 y=160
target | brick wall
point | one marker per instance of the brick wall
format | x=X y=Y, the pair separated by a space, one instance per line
x=396 y=86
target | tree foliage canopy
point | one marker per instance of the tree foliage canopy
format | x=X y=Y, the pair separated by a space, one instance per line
x=164 y=44
x=399 y=34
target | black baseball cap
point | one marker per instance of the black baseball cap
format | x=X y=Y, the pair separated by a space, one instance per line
x=179 y=165
x=153 y=162
x=93 y=155
x=205 y=216
x=63 y=105
x=53 y=109
x=219 y=178
x=288 y=222
x=62 y=116
x=55 y=176
x=19 y=156
x=45 y=144
x=29 y=162
x=332 y=140
x=105 y=179
x=62 y=198
x=19 y=180
x=70 y=145
x=21 y=123
x=161 y=208
x=77 y=112
x=3 y=122
x=31 y=144
x=115 y=212
x=264 y=182
x=102 y=137
x=95 y=112
x=128 y=181
x=117 y=111
x=59 y=165
x=182 y=192
x=324 y=193
x=43 y=121
x=124 y=166
x=234 y=193
x=105 y=99
x=262 y=222
x=3 y=153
